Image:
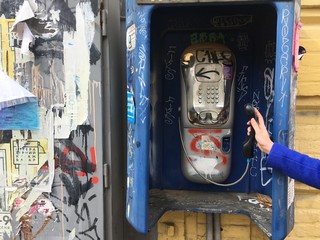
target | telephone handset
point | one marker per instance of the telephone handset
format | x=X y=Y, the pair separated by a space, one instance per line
x=207 y=103
x=248 y=145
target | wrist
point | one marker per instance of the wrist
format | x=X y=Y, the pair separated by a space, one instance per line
x=268 y=147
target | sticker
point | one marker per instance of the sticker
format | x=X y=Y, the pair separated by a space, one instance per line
x=290 y=192
x=296 y=43
x=130 y=107
x=207 y=146
x=131 y=37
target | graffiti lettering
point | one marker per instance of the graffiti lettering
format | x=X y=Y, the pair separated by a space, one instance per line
x=243 y=42
x=168 y=111
x=270 y=52
x=242 y=86
x=231 y=21
x=144 y=100
x=285 y=53
x=142 y=26
x=170 y=72
x=207 y=37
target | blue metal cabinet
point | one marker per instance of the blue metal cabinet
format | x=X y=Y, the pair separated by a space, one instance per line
x=260 y=34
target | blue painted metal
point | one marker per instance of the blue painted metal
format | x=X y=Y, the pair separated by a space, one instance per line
x=138 y=88
x=156 y=36
x=281 y=212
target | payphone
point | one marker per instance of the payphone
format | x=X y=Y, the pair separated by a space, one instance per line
x=207 y=102
x=191 y=68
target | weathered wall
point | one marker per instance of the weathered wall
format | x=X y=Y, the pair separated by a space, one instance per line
x=51 y=180
x=186 y=225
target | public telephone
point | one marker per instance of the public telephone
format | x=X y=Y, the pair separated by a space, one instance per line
x=207 y=106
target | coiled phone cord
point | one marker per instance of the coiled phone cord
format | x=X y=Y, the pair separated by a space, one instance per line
x=204 y=177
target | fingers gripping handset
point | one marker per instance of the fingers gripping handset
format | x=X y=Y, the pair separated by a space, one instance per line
x=248 y=145
x=207 y=103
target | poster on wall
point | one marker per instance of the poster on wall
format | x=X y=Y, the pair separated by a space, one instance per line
x=50 y=142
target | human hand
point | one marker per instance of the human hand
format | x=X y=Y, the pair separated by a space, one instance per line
x=262 y=136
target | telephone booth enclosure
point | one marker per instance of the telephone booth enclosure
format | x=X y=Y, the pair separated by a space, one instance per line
x=262 y=36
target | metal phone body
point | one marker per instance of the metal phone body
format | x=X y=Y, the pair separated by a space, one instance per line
x=207 y=106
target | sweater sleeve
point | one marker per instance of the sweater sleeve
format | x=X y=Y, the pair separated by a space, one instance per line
x=294 y=164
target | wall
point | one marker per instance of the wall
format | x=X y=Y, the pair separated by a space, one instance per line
x=50 y=173
x=307 y=212
x=186 y=225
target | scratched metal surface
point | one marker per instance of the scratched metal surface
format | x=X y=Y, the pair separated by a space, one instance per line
x=228 y=203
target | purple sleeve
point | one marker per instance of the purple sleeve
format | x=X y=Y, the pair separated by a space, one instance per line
x=294 y=164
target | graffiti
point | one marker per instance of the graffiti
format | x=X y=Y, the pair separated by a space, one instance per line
x=130 y=148
x=142 y=26
x=85 y=217
x=143 y=95
x=285 y=55
x=168 y=111
x=242 y=83
x=71 y=158
x=269 y=95
x=243 y=42
x=258 y=162
x=212 y=37
x=270 y=52
x=231 y=21
x=168 y=61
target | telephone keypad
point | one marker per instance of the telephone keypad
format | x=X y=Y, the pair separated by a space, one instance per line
x=209 y=96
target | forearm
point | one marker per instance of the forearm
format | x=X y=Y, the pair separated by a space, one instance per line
x=294 y=164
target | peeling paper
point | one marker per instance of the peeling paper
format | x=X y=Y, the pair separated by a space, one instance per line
x=33 y=195
x=18 y=107
x=21 y=28
x=44 y=179
x=77 y=64
x=26 y=39
x=25 y=12
x=5 y=224
x=72 y=234
x=12 y=93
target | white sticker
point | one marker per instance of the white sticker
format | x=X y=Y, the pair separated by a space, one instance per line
x=131 y=37
x=206 y=143
x=207 y=146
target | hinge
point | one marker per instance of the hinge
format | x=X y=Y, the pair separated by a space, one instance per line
x=103 y=20
x=106 y=175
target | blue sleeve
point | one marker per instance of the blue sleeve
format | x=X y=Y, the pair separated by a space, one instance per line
x=294 y=164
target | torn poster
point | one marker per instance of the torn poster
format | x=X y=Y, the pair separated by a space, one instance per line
x=21 y=28
x=18 y=107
